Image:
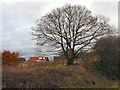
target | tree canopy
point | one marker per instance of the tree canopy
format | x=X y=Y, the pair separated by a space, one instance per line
x=72 y=29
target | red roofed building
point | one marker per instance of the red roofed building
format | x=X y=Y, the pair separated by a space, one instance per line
x=33 y=58
x=38 y=59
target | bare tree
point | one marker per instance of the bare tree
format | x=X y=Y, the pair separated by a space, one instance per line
x=71 y=29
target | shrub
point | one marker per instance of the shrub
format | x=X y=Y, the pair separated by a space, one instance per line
x=108 y=49
x=9 y=58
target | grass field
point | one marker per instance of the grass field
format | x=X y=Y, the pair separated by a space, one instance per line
x=54 y=75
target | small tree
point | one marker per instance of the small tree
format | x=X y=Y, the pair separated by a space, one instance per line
x=108 y=49
x=9 y=58
x=70 y=29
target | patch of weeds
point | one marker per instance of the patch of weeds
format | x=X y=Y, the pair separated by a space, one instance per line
x=60 y=67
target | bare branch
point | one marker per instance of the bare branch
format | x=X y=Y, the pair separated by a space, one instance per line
x=71 y=29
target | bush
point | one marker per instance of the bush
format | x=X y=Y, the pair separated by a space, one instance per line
x=9 y=58
x=108 y=49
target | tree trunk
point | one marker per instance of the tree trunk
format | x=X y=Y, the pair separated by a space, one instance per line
x=70 y=61
x=70 y=57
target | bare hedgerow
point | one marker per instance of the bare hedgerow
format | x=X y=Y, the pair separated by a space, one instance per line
x=108 y=50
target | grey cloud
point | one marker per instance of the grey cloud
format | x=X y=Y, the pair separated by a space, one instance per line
x=107 y=9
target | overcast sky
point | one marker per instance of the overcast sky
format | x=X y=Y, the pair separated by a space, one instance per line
x=18 y=17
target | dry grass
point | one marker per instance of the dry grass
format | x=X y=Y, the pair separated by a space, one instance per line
x=52 y=75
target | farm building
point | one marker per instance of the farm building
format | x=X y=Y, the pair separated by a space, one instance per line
x=21 y=60
x=38 y=59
